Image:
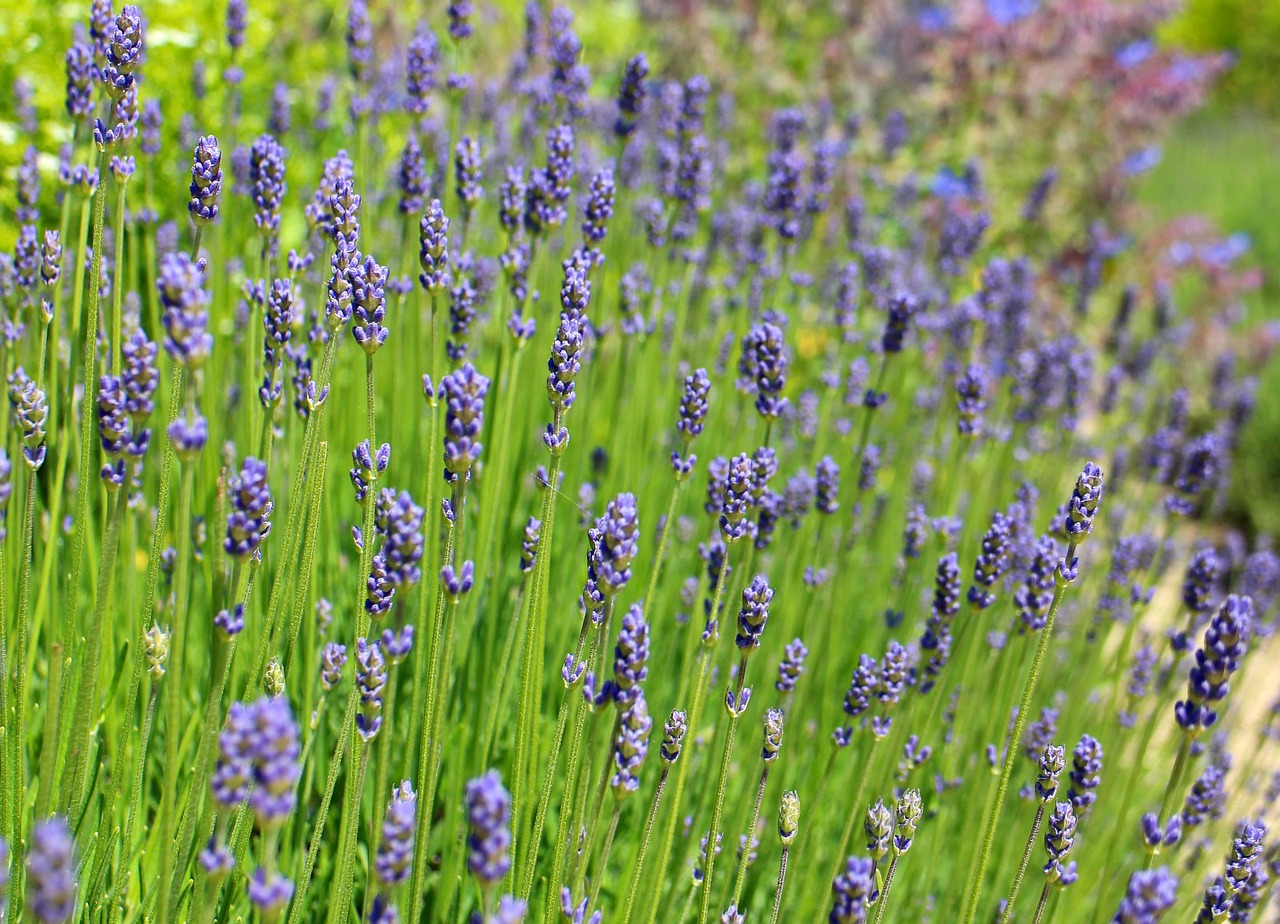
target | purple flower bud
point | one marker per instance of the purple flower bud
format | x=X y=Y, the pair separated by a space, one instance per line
x=488 y=814
x=395 y=850
x=124 y=53
x=464 y=392
x=266 y=173
x=420 y=71
x=1149 y=895
x=673 y=733
x=1086 y=774
x=630 y=744
x=433 y=254
x=853 y=889
x=80 y=69
x=269 y=893
x=332 y=660
x=248 y=523
x=631 y=96
x=457 y=583
x=371 y=680
x=230 y=622
x=1225 y=644
x=51 y=872
x=1058 y=840
x=368 y=293
x=756 y=598
x=31 y=412
x=791 y=666
x=466 y=165
x=185 y=302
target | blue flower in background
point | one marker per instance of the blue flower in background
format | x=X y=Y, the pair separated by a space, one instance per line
x=934 y=19
x=1142 y=160
x=948 y=184
x=1226 y=251
x=1007 y=12
x=1134 y=53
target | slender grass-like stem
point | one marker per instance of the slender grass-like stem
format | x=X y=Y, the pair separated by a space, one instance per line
x=721 y=784
x=774 y=917
x=349 y=833
x=1172 y=790
x=856 y=811
x=569 y=821
x=17 y=766
x=883 y=900
x=117 y=290
x=428 y=766
x=605 y=851
x=649 y=821
x=548 y=779
x=661 y=554
x=514 y=626
x=1045 y=892
x=140 y=766
x=173 y=721
x=322 y=814
x=441 y=697
x=741 y=879
x=1020 y=723
x=90 y=382
x=530 y=689
x=1022 y=864
x=695 y=715
x=1122 y=815
x=87 y=693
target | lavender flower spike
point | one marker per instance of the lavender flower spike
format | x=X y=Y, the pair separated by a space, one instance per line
x=631 y=96
x=433 y=252
x=395 y=850
x=853 y=890
x=1150 y=894
x=248 y=523
x=368 y=293
x=51 y=872
x=488 y=814
x=206 y=181
x=266 y=173
x=464 y=392
x=756 y=598
x=1225 y=644
x=185 y=301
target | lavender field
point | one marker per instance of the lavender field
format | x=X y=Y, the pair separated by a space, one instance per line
x=646 y=464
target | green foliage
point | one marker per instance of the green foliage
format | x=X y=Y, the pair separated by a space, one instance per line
x=1249 y=29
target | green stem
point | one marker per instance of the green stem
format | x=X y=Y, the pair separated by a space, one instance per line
x=1028 y=691
x=117 y=290
x=17 y=766
x=650 y=820
x=741 y=879
x=1023 y=863
x=568 y=826
x=604 y=852
x=428 y=766
x=723 y=781
x=83 y=723
x=782 y=882
x=1044 y=901
x=695 y=715
x=883 y=900
x=173 y=721
x=534 y=650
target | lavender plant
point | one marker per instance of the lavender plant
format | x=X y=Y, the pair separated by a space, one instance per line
x=242 y=684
